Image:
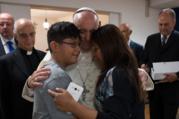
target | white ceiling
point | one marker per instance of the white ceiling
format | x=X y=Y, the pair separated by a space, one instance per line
x=56 y=13
x=164 y=3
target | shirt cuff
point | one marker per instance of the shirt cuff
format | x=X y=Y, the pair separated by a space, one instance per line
x=27 y=93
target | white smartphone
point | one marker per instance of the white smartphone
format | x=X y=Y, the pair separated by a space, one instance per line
x=75 y=90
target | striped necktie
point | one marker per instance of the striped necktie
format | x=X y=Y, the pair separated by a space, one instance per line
x=10 y=46
x=164 y=40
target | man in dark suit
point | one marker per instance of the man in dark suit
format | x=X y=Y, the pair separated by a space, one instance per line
x=6 y=33
x=164 y=98
x=15 y=68
x=136 y=48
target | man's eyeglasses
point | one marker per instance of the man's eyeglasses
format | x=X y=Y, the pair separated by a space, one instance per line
x=25 y=35
x=73 y=45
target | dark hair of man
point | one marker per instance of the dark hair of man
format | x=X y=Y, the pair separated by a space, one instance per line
x=62 y=30
x=115 y=52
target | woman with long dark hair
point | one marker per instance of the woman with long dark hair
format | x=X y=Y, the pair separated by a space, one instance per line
x=119 y=93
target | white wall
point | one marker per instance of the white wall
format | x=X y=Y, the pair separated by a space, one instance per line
x=130 y=11
x=18 y=11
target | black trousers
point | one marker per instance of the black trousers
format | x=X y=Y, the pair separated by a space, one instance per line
x=164 y=101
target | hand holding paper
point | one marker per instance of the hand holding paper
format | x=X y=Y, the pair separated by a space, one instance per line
x=165 y=70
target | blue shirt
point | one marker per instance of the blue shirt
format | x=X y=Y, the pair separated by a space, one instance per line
x=44 y=106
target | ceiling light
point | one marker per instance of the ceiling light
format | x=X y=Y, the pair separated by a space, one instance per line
x=46 y=24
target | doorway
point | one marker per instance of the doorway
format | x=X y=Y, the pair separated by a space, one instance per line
x=49 y=16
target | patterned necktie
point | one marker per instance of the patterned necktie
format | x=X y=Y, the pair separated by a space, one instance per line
x=10 y=46
x=164 y=40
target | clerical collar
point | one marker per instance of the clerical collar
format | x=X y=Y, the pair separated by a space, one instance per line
x=26 y=52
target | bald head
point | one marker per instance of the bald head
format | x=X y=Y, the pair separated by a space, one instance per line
x=24 y=31
x=126 y=31
x=21 y=23
x=6 y=25
x=7 y=16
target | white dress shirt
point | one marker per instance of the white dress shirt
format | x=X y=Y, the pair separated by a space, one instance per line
x=4 y=43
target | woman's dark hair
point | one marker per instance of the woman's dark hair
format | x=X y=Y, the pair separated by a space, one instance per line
x=62 y=30
x=115 y=52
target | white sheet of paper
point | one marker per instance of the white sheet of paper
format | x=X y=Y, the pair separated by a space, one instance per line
x=160 y=68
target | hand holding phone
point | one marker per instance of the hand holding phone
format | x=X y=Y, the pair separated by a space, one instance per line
x=75 y=90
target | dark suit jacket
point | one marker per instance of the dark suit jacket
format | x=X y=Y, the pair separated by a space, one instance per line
x=2 y=51
x=138 y=51
x=13 y=76
x=1 y=109
x=155 y=52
